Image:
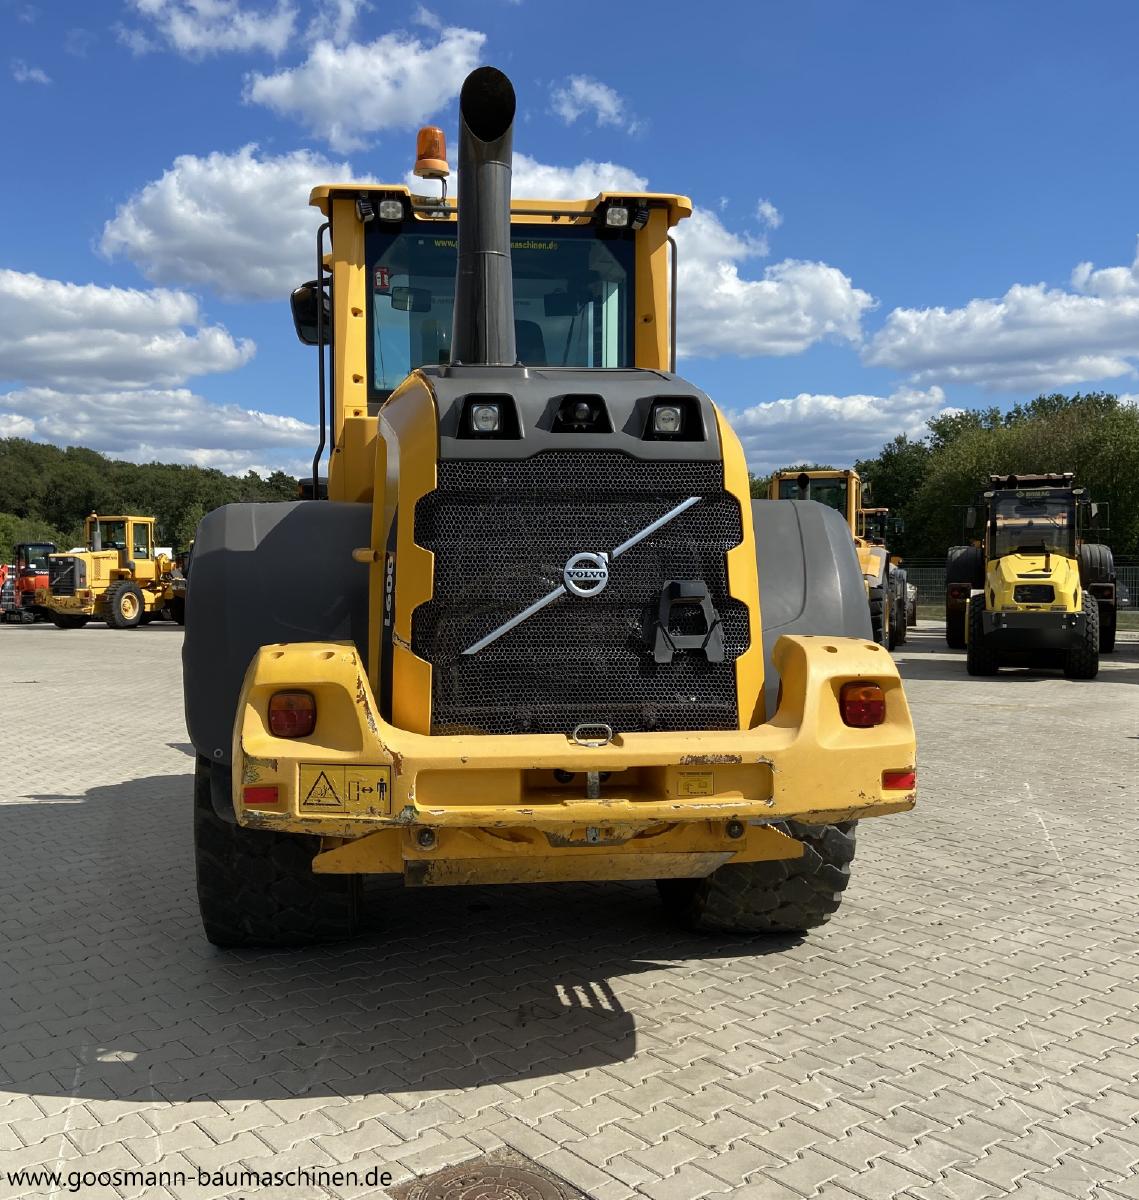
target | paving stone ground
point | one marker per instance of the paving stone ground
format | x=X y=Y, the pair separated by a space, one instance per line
x=966 y=1027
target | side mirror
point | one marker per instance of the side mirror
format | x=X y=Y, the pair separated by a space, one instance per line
x=409 y=299
x=303 y=302
x=970 y=517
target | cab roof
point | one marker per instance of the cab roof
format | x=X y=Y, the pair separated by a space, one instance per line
x=678 y=207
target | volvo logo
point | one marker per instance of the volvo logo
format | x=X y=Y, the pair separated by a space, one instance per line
x=586 y=574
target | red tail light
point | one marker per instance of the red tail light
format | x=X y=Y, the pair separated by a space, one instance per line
x=900 y=781
x=958 y=591
x=862 y=704
x=292 y=714
x=260 y=797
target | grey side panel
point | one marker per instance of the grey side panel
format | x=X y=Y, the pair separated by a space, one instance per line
x=809 y=578
x=266 y=573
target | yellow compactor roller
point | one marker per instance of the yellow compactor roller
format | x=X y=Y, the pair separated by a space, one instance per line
x=521 y=639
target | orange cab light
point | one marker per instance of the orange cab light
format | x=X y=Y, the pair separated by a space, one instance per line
x=862 y=704
x=292 y=714
x=431 y=153
x=260 y=797
x=900 y=781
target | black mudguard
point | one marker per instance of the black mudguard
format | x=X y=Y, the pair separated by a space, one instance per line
x=266 y=573
x=809 y=578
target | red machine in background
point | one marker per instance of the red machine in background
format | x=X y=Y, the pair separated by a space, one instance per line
x=18 y=583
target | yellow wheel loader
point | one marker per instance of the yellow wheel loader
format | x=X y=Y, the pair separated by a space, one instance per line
x=1032 y=582
x=521 y=640
x=884 y=578
x=119 y=578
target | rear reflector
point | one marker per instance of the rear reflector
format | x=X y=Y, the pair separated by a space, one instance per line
x=862 y=704
x=900 y=781
x=259 y=797
x=292 y=714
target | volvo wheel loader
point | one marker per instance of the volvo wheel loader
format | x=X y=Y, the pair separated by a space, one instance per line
x=522 y=638
x=119 y=577
x=884 y=579
x=1036 y=593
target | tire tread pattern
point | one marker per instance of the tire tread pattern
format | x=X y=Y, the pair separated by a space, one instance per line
x=785 y=896
x=257 y=887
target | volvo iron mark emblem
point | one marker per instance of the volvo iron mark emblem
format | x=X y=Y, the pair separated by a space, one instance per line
x=586 y=574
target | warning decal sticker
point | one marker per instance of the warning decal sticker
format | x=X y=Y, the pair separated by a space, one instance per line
x=352 y=791
x=694 y=783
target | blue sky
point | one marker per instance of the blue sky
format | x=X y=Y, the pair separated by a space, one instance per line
x=900 y=207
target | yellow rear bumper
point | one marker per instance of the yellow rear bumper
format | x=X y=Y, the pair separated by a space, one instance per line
x=386 y=799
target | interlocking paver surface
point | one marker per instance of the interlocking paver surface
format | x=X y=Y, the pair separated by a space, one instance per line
x=968 y=1025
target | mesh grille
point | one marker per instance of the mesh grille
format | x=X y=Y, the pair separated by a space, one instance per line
x=61 y=576
x=502 y=533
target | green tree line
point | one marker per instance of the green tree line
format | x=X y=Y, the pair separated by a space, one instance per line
x=46 y=491
x=929 y=481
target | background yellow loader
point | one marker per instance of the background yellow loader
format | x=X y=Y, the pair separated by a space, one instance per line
x=119 y=577
x=884 y=579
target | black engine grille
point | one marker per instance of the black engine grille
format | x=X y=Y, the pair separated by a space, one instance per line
x=502 y=533
x=1033 y=593
x=61 y=576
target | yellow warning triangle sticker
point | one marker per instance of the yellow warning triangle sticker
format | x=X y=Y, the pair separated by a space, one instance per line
x=322 y=794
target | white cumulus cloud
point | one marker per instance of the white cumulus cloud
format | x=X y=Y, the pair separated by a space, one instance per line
x=69 y=335
x=581 y=96
x=345 y=94
x=830 y=429
x=336 y=19
x=22 y=73
x=1032 y=338
x=195 y=28
x=1108 y=282
x=793 y=305
x=165 y=425
x=238 y=223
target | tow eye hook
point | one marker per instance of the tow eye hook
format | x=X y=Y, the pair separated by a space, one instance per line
x=592 y=734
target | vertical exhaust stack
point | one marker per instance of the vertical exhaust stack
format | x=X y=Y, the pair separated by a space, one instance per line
x=483 y=329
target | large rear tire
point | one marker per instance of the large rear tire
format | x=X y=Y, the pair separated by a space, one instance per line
x=880 y=617
x=980 y=657
x=963 y=565
x=789 y=895
x=125 y=608
x=1082 y=659
x=257 y=887
x=1107 y=625
x=65 y=621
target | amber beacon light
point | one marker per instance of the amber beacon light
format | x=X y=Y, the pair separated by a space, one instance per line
x=431 y=153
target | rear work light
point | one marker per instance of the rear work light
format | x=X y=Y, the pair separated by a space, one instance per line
x=292 y=714
x=900 y=781
x=862 y=704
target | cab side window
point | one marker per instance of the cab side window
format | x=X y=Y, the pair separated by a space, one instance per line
x=141 y=541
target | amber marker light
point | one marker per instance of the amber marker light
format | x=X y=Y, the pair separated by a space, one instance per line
x=292 y=714
x=862 y=705
x=431 y=153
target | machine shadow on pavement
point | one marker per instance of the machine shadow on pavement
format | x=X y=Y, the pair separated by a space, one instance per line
x=455 y=987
